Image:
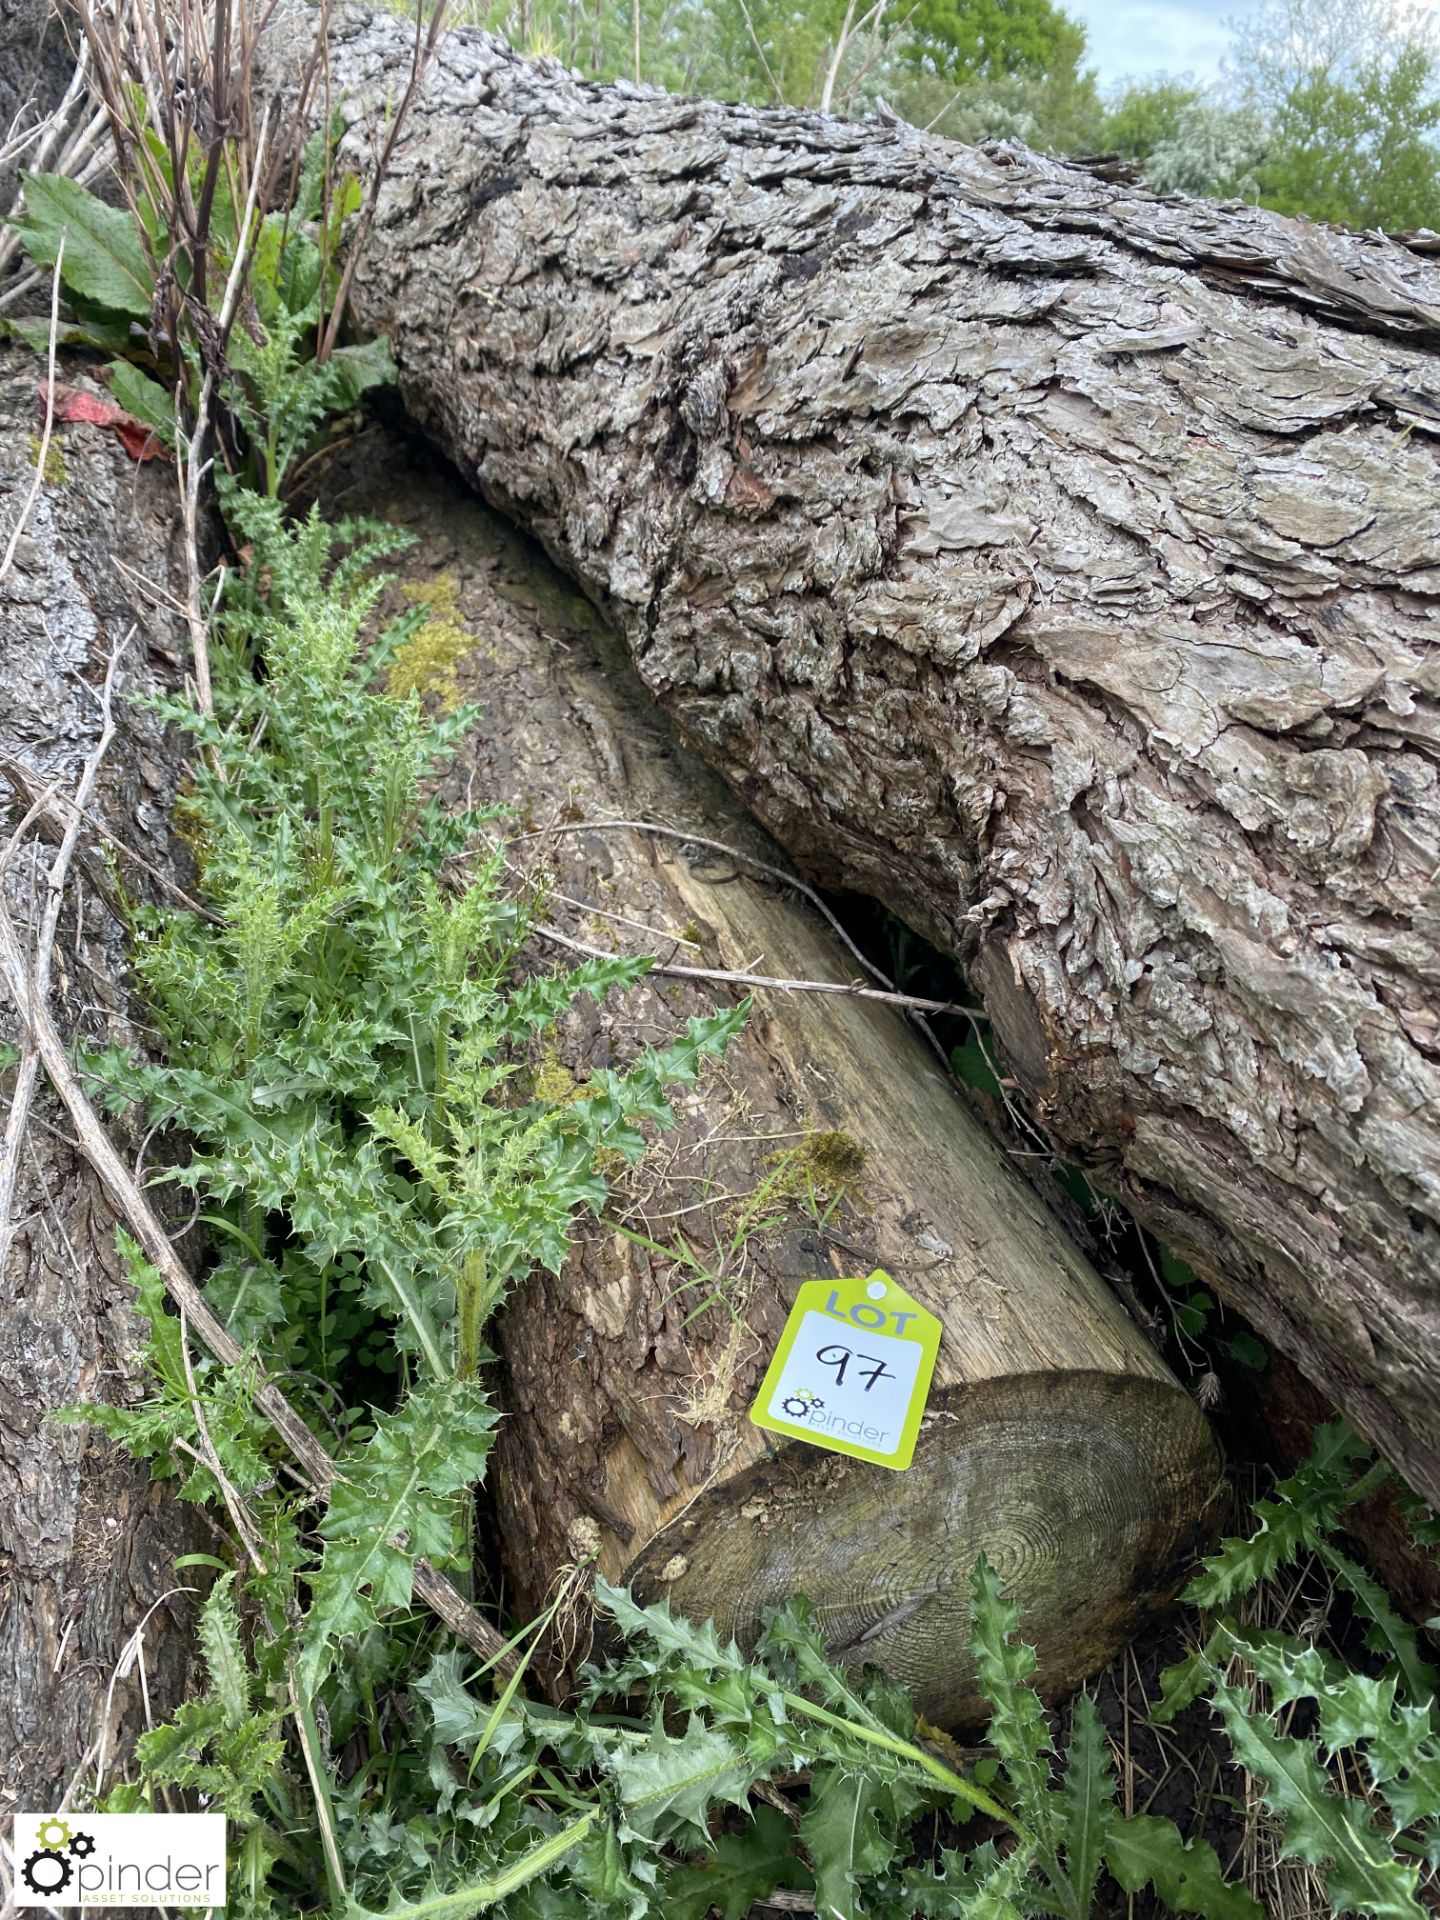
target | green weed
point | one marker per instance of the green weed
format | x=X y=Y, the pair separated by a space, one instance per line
x=116 y=263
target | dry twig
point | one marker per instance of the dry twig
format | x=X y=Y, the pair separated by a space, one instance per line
x=53 y=805
x=34 y=494
x=131 y=1204
x=913 y=1008
x=44 y=947
x=850 y=988
x=420 y=60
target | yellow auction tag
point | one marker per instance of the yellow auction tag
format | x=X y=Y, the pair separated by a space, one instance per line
x=852 y=1370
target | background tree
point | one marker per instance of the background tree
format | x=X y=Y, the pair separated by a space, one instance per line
x=1188 y=138
x=1354 y=146
x=986 y=39
x=1326 y=109
x=971 y=68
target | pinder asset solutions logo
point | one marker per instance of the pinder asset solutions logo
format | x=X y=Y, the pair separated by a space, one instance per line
x=146 y=1860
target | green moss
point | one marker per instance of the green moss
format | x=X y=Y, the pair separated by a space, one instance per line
x=189 y=824
x=824 y=1164
x=57 y=474
x=833 y=1157
x=428 y=661
x=554 y=1082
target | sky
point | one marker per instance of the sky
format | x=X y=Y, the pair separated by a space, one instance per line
x=1144 y=37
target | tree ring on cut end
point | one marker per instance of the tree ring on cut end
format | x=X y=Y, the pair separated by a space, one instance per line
x=1089 y=1493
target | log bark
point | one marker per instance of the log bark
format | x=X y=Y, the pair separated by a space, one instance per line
x=1053 y=562
x=87 y=1541
x=1055 y=1440
x=36 y=62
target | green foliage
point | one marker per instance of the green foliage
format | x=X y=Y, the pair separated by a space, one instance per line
x=395 y=1502
x=1076 y=1823
x=1370 y=1854
x=1360 y=151
x=114 y=264
x=1333 y=1831
x=988 y=39
x=1330 y=110
x=1149 y=115
x=221 y=1744
x=741 y=1869
x=345 y=1051
x=1188 y=140
x=105 y=262
x=1196 y=1315
x=1349 y=91
x=1018 y=62
x=175 y=1426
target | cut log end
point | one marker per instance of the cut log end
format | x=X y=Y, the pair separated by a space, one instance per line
x=1088 y=1493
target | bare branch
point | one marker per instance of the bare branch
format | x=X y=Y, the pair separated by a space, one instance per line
x=52 y=804
x=29 y=505
x=419 y=62
x=851 y=989
x=20 y=1100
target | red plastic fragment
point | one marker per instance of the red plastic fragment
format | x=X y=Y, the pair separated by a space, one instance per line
x=71 y=403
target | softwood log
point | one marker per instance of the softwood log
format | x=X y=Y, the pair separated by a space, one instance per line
x=1056 y=1441
x=87 y=1541
x=1056 y=563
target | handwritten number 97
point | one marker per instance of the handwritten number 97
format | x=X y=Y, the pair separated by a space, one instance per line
x=869 y=1371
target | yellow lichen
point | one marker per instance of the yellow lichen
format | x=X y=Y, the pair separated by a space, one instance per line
x=428 y=661
x=57 y=474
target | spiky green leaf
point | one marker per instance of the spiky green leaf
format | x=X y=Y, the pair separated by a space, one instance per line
x=1018 y=1728
x=744 y=1868
x=1087 y=1799
x=667 y=1785
x=224 y=1654
x=396 y=1501
x=845 y=1838
x=1147 y=1850
x=1328 y=1830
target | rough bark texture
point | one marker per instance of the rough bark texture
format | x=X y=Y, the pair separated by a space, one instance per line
x=36 y=62
x=1055 y=1440
x=1053 y=562
x=86 y=1541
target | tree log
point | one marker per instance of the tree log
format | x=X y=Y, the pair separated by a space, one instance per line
x=1055 y=1441
x=1053 y=562
x=87 y=1541
x=35 y=68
